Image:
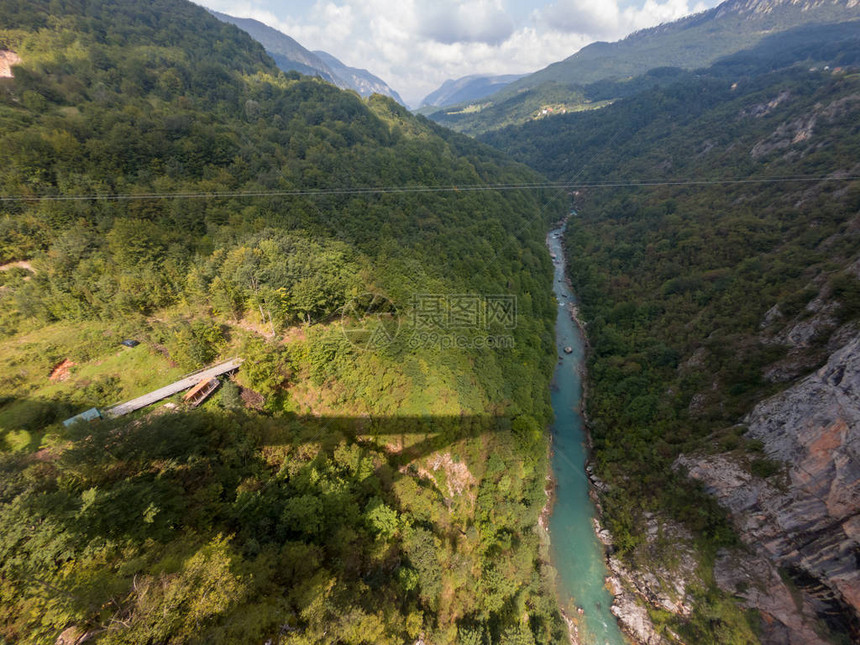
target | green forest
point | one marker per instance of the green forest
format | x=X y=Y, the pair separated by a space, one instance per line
x=329 y=494
x=375 y=471
x=686 y=285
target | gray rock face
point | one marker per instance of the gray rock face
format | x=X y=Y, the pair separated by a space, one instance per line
x=808 y=523
x=803 y=333
x=356 y=79
x=768 y=6
x=755 y=580
x=802 y=129
x=634 y=617
x=653 y=580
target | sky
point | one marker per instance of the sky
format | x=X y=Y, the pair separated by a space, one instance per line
x=415 y=45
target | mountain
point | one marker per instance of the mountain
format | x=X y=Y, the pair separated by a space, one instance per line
x=718 y=272
x=356 y=79
x=689 y=43
x=289 y=55
x=375 y=471
x=468 y=88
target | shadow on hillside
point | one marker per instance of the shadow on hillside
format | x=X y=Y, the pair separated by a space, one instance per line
x=266 y=481
x=407 y=437
x=296 y=496
x=838 y=42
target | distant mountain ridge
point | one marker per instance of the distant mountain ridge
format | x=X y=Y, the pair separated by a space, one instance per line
x=287 y=52
x=701 y=39
x=690 y=43
x=290 y=55
x=467 y=88
x=357 y=79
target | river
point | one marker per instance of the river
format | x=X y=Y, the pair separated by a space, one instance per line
x=577 y=554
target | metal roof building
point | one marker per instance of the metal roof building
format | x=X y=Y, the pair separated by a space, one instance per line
x=86 y=415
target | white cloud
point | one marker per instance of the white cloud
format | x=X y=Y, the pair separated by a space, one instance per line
x=415 y=45
x=450 y=21
x=595 y=17
x=607 y=19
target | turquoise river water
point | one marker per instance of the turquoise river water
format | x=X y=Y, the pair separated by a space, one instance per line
x=577 y=554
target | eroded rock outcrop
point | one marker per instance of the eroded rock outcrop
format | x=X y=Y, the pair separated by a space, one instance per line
x=7 y=60
x=755 y=580
x=808 y=521
x=800 y=130
x=632 y=615
x=664 y=570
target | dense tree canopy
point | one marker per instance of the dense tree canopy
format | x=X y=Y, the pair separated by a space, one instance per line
x=721 y=283
x=315 y=513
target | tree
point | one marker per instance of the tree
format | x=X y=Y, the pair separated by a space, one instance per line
x=177 y=608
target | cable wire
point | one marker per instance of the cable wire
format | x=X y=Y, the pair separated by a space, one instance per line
x=371 y=190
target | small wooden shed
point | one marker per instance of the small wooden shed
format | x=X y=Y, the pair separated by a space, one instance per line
x=200 y=392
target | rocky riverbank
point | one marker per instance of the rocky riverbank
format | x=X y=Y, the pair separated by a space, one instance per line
x=800 y=525
x=629 y=593
x=578 y=557
x=649 y=584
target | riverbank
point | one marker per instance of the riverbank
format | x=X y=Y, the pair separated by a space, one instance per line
x=578 y=557
x=630 y=592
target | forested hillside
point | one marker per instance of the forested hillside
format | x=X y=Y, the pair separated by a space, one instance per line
x=730 y=278
x=163 y=181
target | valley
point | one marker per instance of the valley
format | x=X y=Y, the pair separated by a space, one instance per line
x=569 y=356
x=683 y=358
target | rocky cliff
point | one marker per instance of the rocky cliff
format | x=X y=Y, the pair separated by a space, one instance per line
x=805 y=519
x=769 y=6
x=360 y=80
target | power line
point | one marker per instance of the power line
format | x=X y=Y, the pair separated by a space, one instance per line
x=370 y=190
